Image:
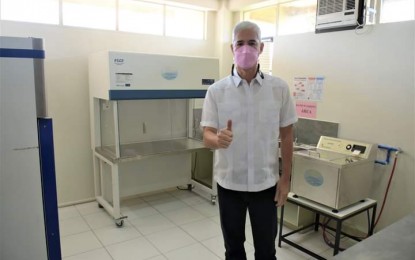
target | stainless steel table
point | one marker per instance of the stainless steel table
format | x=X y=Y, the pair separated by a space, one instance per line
x=396 y=241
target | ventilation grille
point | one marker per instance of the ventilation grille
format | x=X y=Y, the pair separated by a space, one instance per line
x=350 y=4
x=334 y=6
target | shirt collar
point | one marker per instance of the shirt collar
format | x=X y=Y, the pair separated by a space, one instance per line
x=237 y=79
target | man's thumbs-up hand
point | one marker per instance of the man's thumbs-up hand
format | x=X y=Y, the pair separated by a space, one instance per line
x=229 y=125
x=225 y=135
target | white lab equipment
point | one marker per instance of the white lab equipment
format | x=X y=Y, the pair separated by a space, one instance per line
x=337 y=173
x=29 y=227
x=142 y=107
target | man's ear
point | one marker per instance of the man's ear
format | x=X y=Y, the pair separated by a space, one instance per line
x=232 y=48
x=261 y=47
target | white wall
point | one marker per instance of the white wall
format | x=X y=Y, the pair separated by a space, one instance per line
x=369 y=90
x=66 y=69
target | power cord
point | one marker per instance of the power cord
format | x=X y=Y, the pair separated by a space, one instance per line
x=324 y=225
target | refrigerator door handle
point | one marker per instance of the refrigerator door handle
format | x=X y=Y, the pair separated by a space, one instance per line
x=26 y=148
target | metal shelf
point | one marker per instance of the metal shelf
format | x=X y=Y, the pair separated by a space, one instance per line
x=138 y=151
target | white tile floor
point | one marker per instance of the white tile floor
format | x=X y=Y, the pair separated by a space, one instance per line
x=174 y=225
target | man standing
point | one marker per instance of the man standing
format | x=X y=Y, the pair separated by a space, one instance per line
x=243 y=116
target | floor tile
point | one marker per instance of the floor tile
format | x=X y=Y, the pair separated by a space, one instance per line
x=112 y=234
x=207 y=209
x=170 y=239
x=74 y=225
x=249 y=248
x=202 y=229
x=99 y=220
x=68 y=212
x=138 y=210
x=311 y=240
x=184 y=215
x=150 y=224
x=132 y=202
x=167 y=204
x=79 y=243
x=347 y=242
x=195 y=251
x=188 y=197
x=89 y=208
x=156 y=196
x=216 y=245
x=215 y=219
x=287 y=252
x=159 y=257
x=98 y=254
x=136 y=249
x=168 y=225
x=181 y=194
x=328 y=254
x=248 y=234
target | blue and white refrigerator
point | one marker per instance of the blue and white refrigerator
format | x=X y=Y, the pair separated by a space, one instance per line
x=29 y=227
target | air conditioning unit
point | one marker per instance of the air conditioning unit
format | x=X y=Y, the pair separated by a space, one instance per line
x=336 y=15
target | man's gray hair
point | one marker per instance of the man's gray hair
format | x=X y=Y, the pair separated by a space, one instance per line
x=246 y=25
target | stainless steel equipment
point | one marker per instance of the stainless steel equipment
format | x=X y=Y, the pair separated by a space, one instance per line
x=337 y=173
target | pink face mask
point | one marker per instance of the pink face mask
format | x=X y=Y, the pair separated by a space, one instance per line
x=246 y=56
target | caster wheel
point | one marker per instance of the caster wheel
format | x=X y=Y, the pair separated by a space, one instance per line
x=119 y=223
x=213 y=200
x=100 y=206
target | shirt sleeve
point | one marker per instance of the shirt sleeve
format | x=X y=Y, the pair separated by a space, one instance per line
x=288 y=114
x=210 y=110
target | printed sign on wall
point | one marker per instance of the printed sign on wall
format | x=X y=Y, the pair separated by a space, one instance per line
x=308 y=88
x=306 y=109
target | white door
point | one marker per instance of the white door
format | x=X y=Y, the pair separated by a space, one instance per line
x=22 y=229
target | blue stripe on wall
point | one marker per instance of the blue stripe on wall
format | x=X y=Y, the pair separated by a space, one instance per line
x=22 y=53
x=155 y=94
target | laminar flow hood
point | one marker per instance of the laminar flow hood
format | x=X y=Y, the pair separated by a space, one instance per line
x=126 y=75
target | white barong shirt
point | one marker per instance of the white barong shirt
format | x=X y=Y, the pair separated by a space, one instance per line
x=257 y=112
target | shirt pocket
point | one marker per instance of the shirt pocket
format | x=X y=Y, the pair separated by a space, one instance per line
x=229 y=111
x=269 y=114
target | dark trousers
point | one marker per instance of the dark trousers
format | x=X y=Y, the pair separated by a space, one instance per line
x=233 y=206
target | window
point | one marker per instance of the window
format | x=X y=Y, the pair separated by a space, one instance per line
x=297 y=17
x=98 y=14
x=265 y=18
x=136 y=16
x=140 y=17
x=187 y=23
x=396 y=11
x=40 y=11
x=266 y=57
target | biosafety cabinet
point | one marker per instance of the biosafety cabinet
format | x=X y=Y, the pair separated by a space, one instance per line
x=145 y=114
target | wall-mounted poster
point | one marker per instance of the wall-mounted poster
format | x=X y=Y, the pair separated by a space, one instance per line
x=308 y=88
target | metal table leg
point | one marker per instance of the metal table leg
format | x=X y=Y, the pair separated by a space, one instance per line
x=337 y=240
